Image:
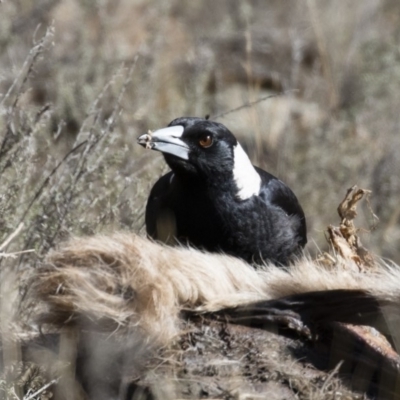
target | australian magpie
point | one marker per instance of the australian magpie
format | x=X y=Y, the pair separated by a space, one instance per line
x=215 y=199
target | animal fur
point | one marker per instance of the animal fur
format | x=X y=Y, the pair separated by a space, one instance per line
x=124 y=281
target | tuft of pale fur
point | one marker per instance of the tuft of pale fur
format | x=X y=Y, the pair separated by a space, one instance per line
x=125 y=281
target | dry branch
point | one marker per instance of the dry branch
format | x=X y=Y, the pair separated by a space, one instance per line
x=12 y=236
x=344 y=239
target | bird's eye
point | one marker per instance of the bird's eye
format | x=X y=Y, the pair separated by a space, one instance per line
x=206 y=141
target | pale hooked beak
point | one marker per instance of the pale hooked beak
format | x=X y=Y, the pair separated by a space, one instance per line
x=167 y=140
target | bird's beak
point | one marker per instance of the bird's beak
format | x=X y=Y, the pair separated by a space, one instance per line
x=167 y=140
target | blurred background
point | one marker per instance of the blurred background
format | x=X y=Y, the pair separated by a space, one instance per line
x=80 y=80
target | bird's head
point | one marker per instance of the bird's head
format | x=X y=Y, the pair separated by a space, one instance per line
x=206 y=149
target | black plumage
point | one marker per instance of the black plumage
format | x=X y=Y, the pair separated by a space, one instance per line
x=216 y=200
x=353 y=306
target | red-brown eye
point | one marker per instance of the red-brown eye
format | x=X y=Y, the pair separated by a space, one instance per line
x=206 y=141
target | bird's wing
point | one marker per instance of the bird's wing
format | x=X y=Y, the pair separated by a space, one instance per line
x=275 y=192
x=302 y=310
x=157 y=203
x=340 y=305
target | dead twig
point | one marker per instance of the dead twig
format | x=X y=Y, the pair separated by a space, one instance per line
x=42 y=389
x=344 y=239
x=47 y=180
x=251 y=103
x=16 y=253
x=28 y=65
x=330 y=377
x=11 y=237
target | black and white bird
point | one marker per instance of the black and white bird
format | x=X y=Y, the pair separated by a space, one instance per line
x=215 y=199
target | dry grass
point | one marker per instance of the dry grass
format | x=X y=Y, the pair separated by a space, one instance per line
x=73 y=104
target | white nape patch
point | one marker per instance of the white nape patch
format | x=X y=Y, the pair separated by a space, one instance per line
x=171 y=131
x=246 y=177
